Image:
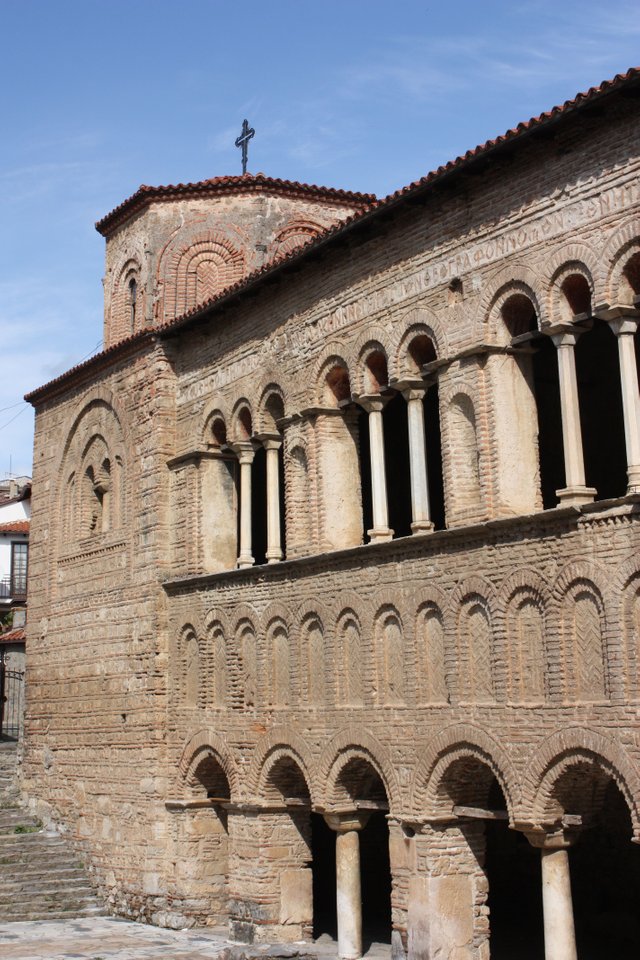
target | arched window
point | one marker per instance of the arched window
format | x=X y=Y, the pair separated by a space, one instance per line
x=192 y=671
x=133 y=296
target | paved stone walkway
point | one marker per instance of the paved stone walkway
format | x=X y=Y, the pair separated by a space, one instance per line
x=107 y=938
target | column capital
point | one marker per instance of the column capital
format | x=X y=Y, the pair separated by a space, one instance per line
x=372 y=402
x=556 y=839
x=244 y=449
x=616 y=312
x=412 y=389
x=563 y=334
x=625 y=325
x=346 y=820
x=270 y=441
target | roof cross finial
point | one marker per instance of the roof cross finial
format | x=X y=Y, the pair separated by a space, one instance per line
x=243 y=141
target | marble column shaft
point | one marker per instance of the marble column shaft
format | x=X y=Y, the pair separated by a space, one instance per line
x=245 y=454
x=420 y=508
x=624 y=329
x=374 y=405
x=575 y=491
x=274 y=545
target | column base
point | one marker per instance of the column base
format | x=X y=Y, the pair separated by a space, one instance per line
x=380 y=536
x=245 y=562
x=422 y=526
x=274 y=556
x=633 y=477
x=576 y=496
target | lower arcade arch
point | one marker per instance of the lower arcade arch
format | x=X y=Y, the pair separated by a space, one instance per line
x=202 y=837
x=497 y=869
x=602 y=861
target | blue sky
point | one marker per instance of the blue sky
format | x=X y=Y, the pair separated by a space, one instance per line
x=98 y=96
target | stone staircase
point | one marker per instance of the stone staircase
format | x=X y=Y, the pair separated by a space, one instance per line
x=40 y=877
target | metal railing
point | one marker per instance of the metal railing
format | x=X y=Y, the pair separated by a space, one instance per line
x=11 y=702
x=13 y=588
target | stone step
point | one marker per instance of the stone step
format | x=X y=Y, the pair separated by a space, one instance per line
x=53 y=911
x=72 y=914
x=21 y=870
x=45 y=884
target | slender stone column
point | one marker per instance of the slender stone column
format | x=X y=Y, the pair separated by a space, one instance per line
x=374 y=405
x=557 y=905
x=575 y=492
x=246 y=453
x=274 y=547
x=624 y=328
x=420 y=510
x=348 y=889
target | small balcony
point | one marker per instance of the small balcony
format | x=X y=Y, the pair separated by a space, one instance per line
x=13 y=588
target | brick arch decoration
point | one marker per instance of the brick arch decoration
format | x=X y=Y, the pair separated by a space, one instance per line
x=188 y=283
x=620 y=246
x=98 y=415
x=240 y=404
x=561 y=751
x=525 y=583
x=219 y=618
x=212 y=412
x=388 y=603
x=119 y=325
x=279 y=743
x=412 y=324
x=515 y=277
x=308 y=611
x=334 y=354
x=355 y=743
x=573 y=575
x=205 y=743
x=499 y=333
x=294 y=235
x=457 y=742
x=433 y=598
x=627 y=588
x=245 y=616
x=375 y=339
x=267 y=388
x=574 y=258
x=471 y=589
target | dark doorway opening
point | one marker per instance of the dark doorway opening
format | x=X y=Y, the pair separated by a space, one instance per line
x=259 y=506
x=323 y=851
x=431 y=408
x=396 y=461
x=512 y=867
x=365 y=471
x=375 y=873
x=601 y=416
x=605 y=879
x=550 y=445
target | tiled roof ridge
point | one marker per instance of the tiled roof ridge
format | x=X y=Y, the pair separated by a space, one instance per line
x=343 y=226
x=15 y=526
x=14 y=635
x=248 y=182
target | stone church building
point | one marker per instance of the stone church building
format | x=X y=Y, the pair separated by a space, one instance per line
x=335 y=618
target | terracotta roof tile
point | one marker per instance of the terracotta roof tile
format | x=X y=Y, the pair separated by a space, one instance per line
x=13 y=636
x=632 y=76
x=15 y=526
x=248 y=183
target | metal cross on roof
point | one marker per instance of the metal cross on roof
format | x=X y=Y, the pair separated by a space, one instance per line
x=243 y=141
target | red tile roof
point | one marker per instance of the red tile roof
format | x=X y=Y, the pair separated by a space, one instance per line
x=516 y=134
x=13 y=636
x=15 y=526
x=248 y=183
